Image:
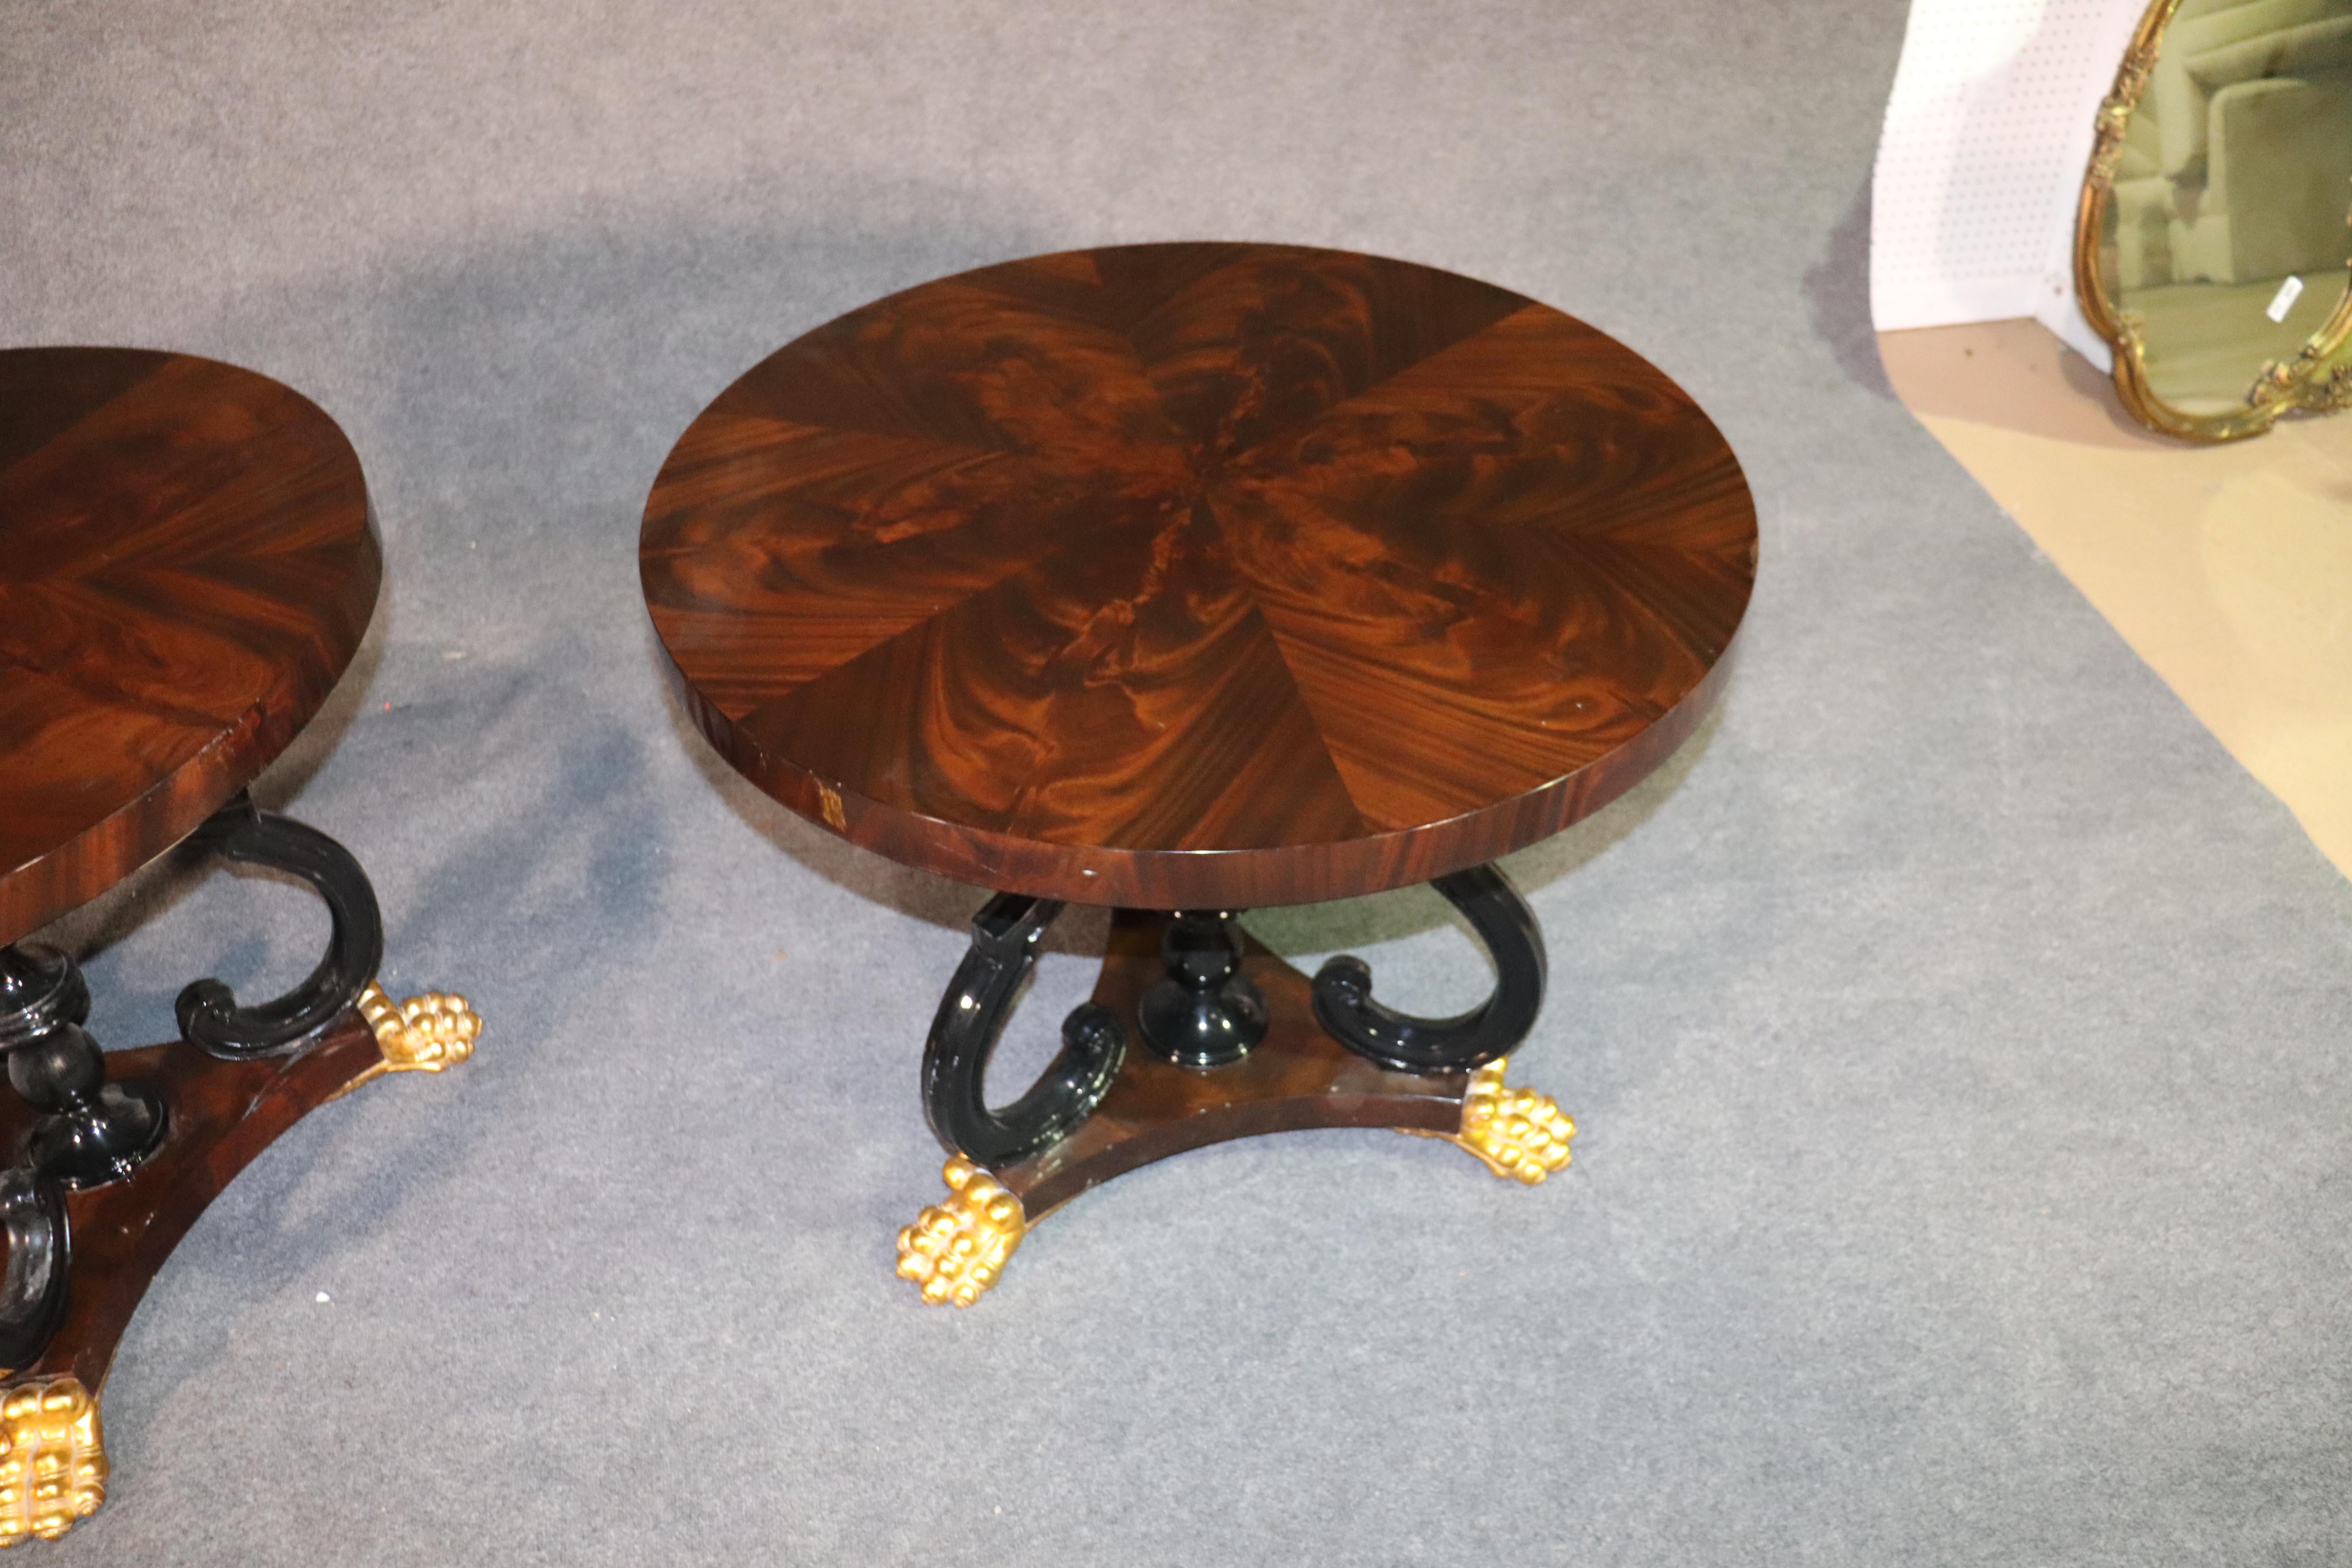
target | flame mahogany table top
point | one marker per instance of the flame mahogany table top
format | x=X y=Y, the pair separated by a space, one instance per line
x=1199 y=575
x=186 y=566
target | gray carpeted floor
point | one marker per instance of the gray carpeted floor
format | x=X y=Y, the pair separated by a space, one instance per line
x=1958 y=1036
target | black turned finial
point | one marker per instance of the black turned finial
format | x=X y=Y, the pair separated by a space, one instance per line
x=94 y=1131
x=1205 y=1014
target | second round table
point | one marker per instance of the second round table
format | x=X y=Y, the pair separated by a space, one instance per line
x=1186 y=579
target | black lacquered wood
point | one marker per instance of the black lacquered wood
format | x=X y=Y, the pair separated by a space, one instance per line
x=1205 y=1013
x=33 y=1282
x=1004 y=938
x=207 y=1010
x=90 y=1131
x=1343 y=989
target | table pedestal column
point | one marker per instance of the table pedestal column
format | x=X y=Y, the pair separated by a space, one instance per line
x=1298 y=1073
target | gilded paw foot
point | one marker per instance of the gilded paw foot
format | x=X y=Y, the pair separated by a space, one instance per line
x=431 y=1032
x=52 y=1459
x=1516 y=1132
x=957 y=1249
x=424 y=1034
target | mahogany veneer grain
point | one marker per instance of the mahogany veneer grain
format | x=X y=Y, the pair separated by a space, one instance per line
x=187 y=564
x=1199 y=575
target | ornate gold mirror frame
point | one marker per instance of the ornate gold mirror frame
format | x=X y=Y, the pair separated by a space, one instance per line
x=2306 y=382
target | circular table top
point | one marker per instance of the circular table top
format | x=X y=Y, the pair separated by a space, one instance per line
x=186 y=566
x=1199 y=575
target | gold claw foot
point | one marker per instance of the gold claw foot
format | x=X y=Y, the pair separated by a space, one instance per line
x=52 y=1459
x=1516 y=1132
x=957 y=1249
x=424 y=1034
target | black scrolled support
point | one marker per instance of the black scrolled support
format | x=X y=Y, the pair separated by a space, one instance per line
x=1343 y=989
x=32 y=1284
x=1004 y=938
x=208 y=1011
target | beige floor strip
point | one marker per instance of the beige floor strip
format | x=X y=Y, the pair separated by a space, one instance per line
x=2229 y=569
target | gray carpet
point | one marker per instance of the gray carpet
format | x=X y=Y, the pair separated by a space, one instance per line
x=1958 y=1036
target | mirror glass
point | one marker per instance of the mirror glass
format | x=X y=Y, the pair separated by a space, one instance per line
x=2225 y=231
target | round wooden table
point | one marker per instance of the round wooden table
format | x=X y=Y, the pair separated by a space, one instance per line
x=187 y=564
x=1183 y=579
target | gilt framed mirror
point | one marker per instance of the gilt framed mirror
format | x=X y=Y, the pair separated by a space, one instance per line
x=2210 y=244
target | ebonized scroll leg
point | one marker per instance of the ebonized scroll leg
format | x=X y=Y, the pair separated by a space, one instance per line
x=1343 y=989
x=1004 y=938
x=33 y=1285
x=956 y=1249
x=209 y=1015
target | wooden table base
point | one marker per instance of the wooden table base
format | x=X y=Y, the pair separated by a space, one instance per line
x=1297 y=1077
x=221 y=1116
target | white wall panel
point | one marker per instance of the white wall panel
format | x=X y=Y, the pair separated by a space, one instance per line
x=1988 y=131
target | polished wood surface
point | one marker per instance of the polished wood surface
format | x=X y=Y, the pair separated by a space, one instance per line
x=222 y=1115
x=1178 y=575
x=186 y=566
x=1298 y=1076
